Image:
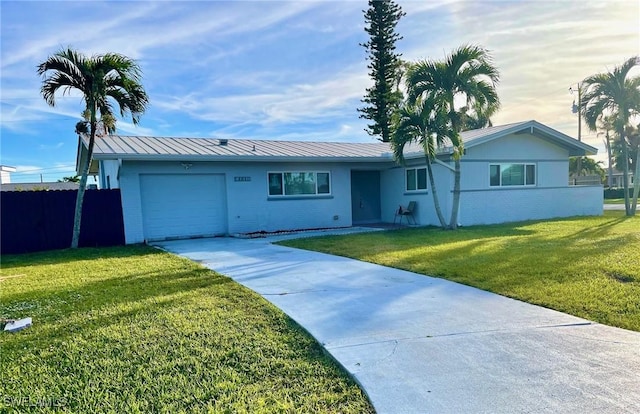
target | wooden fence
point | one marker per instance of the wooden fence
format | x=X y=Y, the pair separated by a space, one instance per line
x=43 y=220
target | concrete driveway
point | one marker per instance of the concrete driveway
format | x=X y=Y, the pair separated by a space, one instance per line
x=420 y=344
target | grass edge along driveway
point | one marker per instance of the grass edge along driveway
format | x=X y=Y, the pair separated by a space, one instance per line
x=585 y=266
x=133 y=329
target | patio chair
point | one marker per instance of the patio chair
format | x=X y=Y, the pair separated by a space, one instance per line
x=406 y=212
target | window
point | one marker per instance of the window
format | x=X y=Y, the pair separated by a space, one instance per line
x=416 y=179
x=299 y=183
x=502 y=175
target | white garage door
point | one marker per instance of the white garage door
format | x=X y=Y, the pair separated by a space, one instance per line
x=175 y=205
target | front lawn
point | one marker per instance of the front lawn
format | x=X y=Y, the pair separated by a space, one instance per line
x=585 y=266
x=136 y=330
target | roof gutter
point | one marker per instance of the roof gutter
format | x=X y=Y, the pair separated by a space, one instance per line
x=236 y=158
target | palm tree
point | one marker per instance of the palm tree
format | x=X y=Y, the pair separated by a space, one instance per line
x=101 y=79
x=70 y=179
x=466 y=78
x=421 y=122
x=617 y=95
x=477 y=117
x=586 y=166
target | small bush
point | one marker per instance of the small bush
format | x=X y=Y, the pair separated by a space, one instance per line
x=616 y=193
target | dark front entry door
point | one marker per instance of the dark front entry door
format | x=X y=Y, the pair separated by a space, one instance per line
x=365 y=196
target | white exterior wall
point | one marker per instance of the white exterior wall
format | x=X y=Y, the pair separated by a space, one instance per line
x=552 y=161
x=394 y=194
x=500 y=206
x=5 y=174
x=109 y=174
x=249 y=208
x=550 y=197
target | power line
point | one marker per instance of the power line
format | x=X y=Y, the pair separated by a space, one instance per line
x=38 y=170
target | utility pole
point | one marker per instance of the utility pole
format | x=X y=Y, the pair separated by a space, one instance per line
x=577 y=109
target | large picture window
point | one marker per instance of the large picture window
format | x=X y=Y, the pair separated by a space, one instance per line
x=416 y=179
x=299 y=183
x=503 y=175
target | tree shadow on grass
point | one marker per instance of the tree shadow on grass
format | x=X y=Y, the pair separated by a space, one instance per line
x=600 y=230
x=110 y=323
x=16 y=261
x=52 y=303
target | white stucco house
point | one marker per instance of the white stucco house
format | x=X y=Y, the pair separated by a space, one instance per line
x=190 y=187
x=617 y=179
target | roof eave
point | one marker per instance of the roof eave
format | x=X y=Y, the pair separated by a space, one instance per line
x=238 y=158
x=81 y=155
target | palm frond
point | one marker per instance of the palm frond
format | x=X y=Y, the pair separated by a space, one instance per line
x=612 y=93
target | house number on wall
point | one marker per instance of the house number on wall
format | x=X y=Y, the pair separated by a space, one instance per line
x=241 y=179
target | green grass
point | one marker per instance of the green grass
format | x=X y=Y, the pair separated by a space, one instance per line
x=614 y=200
x=587 y=266
x=136 y=330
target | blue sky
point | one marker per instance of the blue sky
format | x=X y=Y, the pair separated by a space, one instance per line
x=288 y=70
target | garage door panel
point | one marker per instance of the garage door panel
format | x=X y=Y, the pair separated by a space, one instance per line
x=183 y=205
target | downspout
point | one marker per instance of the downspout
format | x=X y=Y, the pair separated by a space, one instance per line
x=103 y=179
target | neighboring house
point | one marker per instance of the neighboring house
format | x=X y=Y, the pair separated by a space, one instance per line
x=188 y=187
x=5 y=174
x=617 y=180
x=39 y=186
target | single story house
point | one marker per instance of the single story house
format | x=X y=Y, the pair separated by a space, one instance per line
x=617 y=179
x=191 y=187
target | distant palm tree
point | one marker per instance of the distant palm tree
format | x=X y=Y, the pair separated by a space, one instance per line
x=606 y=124
x=586 y=166
x=632 y=140
x=421 y=122
x=477 y=118
x=462 y=85
x=617 y=95
x=70 y=179
x=101 y=79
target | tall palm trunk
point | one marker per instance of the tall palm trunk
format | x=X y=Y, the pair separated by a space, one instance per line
x=453 y=223
x=434 y=192
x=636 y=183
x=610 y=160
x=77 y=218
x=625 y=165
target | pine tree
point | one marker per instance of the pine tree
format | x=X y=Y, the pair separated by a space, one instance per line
x=383 y=98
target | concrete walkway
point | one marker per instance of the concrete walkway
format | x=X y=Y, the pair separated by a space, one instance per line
x=425 y=345
x=613 y=207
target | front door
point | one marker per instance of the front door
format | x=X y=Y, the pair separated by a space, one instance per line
x=365 y=197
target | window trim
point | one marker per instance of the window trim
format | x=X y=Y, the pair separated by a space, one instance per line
x=426 y=180
x=525 y=165
x=298 y=196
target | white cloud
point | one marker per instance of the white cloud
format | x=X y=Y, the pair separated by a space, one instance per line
x=49 y=37
x=540 y=48
x=267 y=69
x=131 y=129
x=28 y=168
x=295 y=103
x=35 y=173
x=50 y=147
